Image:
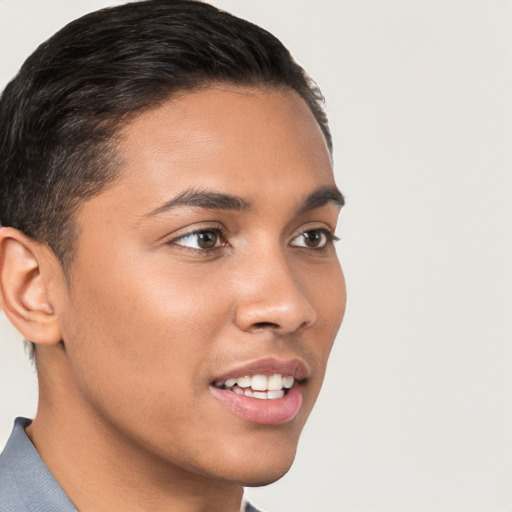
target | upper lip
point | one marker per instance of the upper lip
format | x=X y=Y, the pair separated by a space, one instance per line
x=269 y=366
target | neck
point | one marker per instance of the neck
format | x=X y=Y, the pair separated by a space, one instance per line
x=100 y=468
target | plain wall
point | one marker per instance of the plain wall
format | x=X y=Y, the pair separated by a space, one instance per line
x=416 y=411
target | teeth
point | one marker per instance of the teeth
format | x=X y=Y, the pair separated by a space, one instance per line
x=287 y=382
x=243 y=382
x=259 y=386
x=262 y=395
x=275 y=394
x=230 y=383
x=259 y=382
x=275 y=382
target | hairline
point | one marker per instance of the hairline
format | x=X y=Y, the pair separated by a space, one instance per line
x=114 y=157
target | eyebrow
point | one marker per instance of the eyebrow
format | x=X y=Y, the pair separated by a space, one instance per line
x=204 y=199
x=322 y=196
x=219 y=201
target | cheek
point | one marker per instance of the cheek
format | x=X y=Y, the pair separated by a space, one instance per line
x=142 y=335
x=339 y=296
x=326 y=290
x=137 y=310
x=329 y=298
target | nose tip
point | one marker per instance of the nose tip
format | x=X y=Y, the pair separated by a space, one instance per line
x=285 y=318
x=275 y=302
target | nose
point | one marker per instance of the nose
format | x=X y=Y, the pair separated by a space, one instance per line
x=271 y=297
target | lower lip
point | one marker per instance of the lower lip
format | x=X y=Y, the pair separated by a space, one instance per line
x=263 y=411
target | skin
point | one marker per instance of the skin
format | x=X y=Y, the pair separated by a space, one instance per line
x=149 y=319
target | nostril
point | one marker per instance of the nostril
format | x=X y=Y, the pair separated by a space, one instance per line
x=284 y=311
x=265 y=325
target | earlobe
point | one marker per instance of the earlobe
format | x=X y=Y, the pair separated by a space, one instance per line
x=24 y=293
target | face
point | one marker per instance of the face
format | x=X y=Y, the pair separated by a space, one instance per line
x=206 y=293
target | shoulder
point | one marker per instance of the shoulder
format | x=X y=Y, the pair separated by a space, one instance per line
x=250 y=508
x=11 y=495
x=26 y=484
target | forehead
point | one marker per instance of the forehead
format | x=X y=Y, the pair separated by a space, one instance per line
x=226 y=133
x=230 y=139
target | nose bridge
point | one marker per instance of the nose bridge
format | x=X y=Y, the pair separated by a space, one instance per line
x=271 y=295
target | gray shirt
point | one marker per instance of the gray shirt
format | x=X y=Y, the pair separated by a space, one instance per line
x=26 y=484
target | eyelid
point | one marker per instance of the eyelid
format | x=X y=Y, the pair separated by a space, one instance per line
x=316 y=226
x=221 y=231
x=331 y=237
x=196 y=229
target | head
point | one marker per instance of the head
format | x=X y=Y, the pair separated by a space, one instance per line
x=61 y=113
x=167 y=206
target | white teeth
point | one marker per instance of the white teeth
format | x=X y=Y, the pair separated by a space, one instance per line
x=259 y=386
x=259 y=382
x=244 y=382
x=288 y=382
x=275 y=394
x=275 y=382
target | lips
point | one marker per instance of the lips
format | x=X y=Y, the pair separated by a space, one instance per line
x=266 y=391
x=259 y=386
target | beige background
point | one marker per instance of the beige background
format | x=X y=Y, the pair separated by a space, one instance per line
x=416 y=413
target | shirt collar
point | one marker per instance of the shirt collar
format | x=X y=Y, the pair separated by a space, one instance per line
x=30 y=483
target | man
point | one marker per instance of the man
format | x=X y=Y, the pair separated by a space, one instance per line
x=168 y=211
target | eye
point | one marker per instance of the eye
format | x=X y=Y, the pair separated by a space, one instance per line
x=204 y=239
x=314 y=239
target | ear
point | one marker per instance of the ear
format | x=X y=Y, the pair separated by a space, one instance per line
x=26 y=272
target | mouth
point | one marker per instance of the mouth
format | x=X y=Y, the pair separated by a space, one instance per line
x=259 y=386
x=265 y=392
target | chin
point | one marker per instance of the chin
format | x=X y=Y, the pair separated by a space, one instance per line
x=257 y=468
x=265 y=477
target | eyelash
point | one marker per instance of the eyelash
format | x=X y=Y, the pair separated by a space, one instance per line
x=219 y=232
x=330 y=239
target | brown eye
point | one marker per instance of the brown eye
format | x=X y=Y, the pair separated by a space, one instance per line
x=313 y=239
x=205 y=239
